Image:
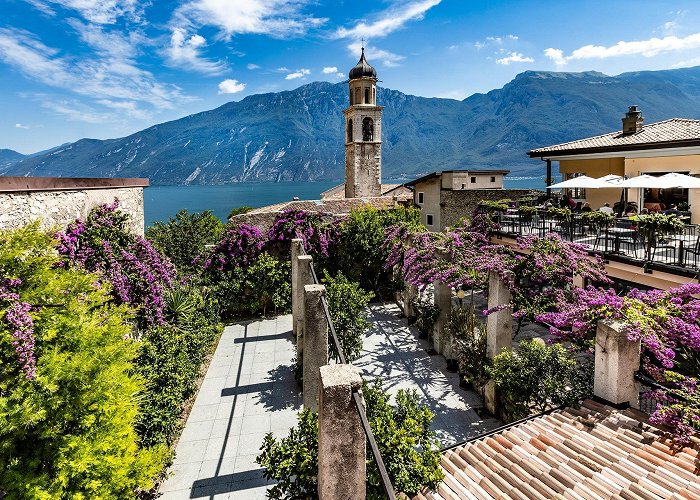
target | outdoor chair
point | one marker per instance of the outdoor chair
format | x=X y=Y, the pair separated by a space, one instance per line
x=607 y=240
x=694 y=251
x=663 y=245
x=629 y=242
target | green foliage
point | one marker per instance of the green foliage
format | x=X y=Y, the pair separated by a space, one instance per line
x=264 y=286
x=407 y=445
x=239 y=211
x=597 y=220
x=560 y=214
x=495 y=206
x=527 y=212
x=427 y=314
x=69 y=432
x=469 y=344
x=293 y=460
x=170 y=358
x=538 y=377
x=361 y=253
x=658 y=224
x=347 y=303
x=184 y=238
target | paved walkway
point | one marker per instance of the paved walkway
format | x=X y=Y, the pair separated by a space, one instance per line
x=249 y=390
x=393 y=352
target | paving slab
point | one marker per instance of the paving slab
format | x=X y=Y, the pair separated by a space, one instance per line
x=394 y=352
x=249 y=390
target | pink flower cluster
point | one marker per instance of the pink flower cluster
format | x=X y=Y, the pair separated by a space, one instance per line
x=240 y=247
x=21 y=325
x=319 y=237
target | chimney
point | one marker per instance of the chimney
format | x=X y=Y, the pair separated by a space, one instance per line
x=632 y=121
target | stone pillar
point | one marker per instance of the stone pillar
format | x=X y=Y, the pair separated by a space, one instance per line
x=304 y=277
x=499 y=331
x=341 y=438
x=616 y=360
x=409 y=294
x=442 y=298
x=315 y=342
x=297 y=250
x=579 y=281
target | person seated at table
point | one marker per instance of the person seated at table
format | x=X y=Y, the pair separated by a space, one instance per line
x=606 y=209
x=673 y=210
x=586 y=207
x=631 y=212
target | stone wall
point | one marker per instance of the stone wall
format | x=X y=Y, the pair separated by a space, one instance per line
x=57 y=208
x=460 y=203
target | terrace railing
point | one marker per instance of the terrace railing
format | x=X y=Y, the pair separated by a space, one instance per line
x=647 y=402
x=620 y=241
x=357 y=397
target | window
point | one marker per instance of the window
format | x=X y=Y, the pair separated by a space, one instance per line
x=367 y=96
x=420 y=198
x=473 y=180
x=374 y=96
x=493 y=179
x=357 y=96
x=429 y=219
x=350 y=130
x=464 y=186
x=367 y=129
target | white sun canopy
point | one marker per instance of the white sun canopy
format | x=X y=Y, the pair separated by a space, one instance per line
x=674 y=180
x=585 y=182
x=641 y=181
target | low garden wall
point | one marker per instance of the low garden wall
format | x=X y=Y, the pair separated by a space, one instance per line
x=56 y=201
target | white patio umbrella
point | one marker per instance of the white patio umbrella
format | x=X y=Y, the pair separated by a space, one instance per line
x=582 y=181
x=641 y=181
x=675 y=180
x=610 y=180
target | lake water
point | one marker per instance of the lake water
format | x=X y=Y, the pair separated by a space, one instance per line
x=162 y=202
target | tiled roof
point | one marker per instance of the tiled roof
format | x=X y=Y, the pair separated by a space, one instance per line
x=594 y=452
x=328 y=205
x=338 y=192
x=659 y=134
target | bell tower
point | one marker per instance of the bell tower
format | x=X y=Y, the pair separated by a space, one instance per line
x=363 y=134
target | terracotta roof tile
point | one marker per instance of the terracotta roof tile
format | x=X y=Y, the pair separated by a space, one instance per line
x=589 y=453
x=667 y=131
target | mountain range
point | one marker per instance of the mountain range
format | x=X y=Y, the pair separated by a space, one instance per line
x=298 y=135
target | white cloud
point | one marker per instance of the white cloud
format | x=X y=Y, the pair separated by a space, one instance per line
x=252 y=66
x=185 y=52
x=391 y=20
x=495 y=40
x=646 y=48
x=109 y=72
x=330 y=69
x=19 y=125
x=282 y=69
x=95 y=11
x=269 y=17
x=230 y=86
x=76 y=111
x=514 y=57
x=298 y=74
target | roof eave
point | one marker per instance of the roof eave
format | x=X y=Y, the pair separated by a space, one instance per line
x=535 y=153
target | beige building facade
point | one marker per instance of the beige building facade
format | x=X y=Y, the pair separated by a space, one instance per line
x=655 y=149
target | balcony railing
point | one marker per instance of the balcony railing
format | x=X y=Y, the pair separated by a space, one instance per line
x=620 y=241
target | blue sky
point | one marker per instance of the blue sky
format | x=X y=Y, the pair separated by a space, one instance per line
x=106 y=68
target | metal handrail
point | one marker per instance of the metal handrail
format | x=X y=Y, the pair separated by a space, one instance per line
x=650 y=382
x=357 y=398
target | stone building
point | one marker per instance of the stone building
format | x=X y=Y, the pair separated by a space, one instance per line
x=445 y=197
x=58 y=201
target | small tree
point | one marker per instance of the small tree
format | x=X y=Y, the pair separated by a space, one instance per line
x=408 y=447
x=538 y=377
x=347 y=303
x=183 y=238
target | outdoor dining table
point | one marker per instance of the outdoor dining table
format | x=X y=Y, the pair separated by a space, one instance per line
x=684 y=241
x=617 y=233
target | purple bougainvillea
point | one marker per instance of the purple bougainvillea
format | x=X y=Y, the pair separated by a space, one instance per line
x=21 y=325
x=138 y=273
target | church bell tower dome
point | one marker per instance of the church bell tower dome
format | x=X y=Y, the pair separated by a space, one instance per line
x=363 y=69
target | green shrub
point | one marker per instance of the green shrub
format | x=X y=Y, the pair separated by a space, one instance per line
x=559 y=214
x=406 y=443
x=184 y=237
x=361 y=254
x=427 y=315
x=239 y=211
x=264 y=286
x=469 y=344
x=597 y=220
x=494 y=206
x=538 y=377
x=68 y=432
x=347 y=304
x=170 y=358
